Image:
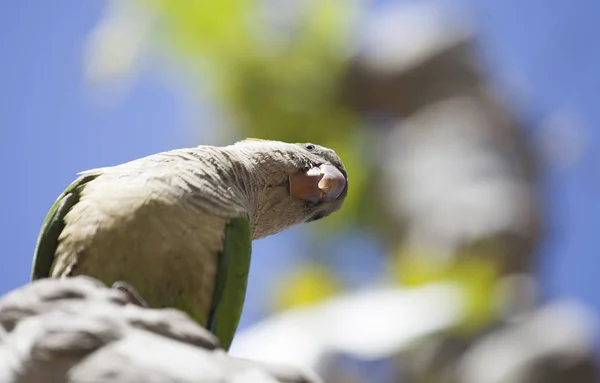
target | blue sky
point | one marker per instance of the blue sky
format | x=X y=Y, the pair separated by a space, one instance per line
x=53 y=128
x=549 y=46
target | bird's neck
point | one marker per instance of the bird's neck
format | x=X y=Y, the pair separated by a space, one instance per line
x=236 y=177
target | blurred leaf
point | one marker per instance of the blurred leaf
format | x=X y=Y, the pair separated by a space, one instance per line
x=304 y=286
x=476 y=274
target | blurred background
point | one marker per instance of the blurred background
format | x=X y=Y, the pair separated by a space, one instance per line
x=465 y=249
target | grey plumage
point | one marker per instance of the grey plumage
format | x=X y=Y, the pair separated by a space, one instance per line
x=177 y=226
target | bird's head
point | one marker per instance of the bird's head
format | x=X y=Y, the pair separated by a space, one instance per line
x=292 y=183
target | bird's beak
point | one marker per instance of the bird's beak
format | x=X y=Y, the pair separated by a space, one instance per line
x=323 y=183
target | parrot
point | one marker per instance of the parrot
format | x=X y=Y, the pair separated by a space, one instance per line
x=177 y=227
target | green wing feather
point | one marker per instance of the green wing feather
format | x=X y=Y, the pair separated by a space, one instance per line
x=232 y=279
x=47 y=242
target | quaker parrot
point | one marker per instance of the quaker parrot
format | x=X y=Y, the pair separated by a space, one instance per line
x=177 y=227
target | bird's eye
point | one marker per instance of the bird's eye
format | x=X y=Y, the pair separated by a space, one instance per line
x=309 y=147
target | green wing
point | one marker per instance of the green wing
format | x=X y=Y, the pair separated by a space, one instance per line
x=47 y=242
x=232 y=279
